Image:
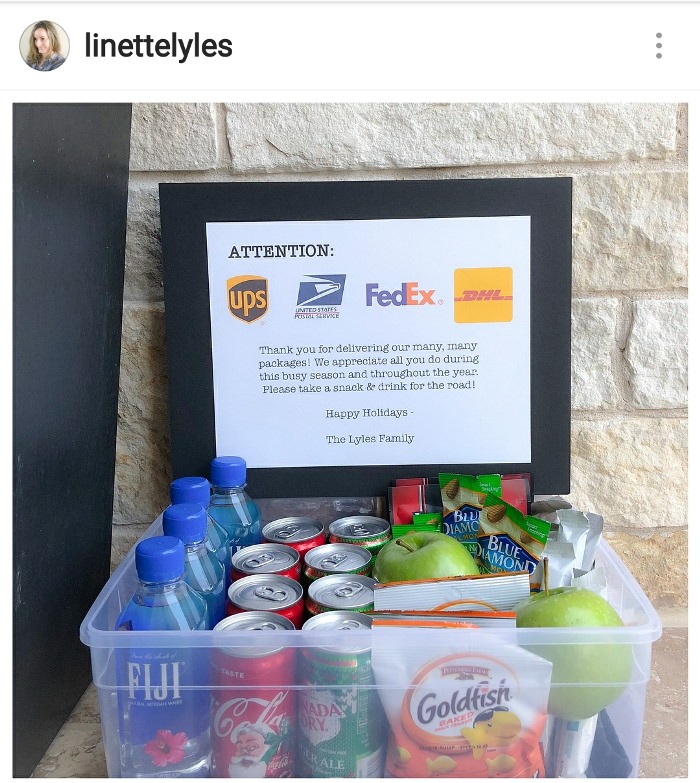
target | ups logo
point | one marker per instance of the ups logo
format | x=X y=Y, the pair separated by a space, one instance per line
x=247 y=297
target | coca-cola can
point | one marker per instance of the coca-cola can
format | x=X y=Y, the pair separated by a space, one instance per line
x=267 y=593
x=301 y=533
x=266 y=559
x=254 y=703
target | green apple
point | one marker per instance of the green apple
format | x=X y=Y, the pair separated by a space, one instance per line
x=422 y=555
x=585 y=677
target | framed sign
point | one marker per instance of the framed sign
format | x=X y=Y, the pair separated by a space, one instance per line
x=339 y=335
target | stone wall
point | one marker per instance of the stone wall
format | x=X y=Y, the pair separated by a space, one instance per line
x=629 y=319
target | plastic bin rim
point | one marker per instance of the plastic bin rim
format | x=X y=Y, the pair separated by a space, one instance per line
x=633 y=634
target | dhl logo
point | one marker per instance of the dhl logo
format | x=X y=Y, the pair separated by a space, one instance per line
x=247 y=297
x=483 y=295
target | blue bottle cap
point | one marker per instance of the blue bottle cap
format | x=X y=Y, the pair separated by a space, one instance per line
x=186 y=521
x=191 y=489
x=160 y=559
x=228 y=471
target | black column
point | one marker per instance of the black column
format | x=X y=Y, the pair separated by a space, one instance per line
x=69 y=218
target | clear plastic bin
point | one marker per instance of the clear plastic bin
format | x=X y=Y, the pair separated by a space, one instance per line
x=623 y=719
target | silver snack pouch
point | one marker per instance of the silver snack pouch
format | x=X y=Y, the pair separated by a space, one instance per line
x=546 y=507
x=595 y=533
x=560 y=558
x=594 y=580
x=574 y=527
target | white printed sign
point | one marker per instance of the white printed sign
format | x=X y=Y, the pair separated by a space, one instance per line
x=371 y=342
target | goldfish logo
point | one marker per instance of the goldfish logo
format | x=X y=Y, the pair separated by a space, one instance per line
x=247 y=297
x=483 y=295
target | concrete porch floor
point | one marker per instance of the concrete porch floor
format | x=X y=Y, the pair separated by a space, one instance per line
x=77 y=751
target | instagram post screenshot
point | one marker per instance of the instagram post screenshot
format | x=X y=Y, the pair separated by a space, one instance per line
x=350 y=378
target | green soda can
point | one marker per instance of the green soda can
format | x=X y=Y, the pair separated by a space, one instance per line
x=341 y=723
x=368 y=532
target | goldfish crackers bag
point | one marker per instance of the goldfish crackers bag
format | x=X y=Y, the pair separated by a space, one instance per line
x=461 y=714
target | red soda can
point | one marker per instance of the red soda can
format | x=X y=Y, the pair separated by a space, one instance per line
x=266 y=559
x=301 y=533
x=267 y=593
x=254 y=706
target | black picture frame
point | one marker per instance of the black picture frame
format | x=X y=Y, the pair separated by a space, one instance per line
x=186 y=208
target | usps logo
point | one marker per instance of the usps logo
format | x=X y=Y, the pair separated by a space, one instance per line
x=321 y=290
x=320 y=296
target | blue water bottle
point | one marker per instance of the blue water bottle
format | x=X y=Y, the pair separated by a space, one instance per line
x=195 y=489
x=203 y=572
x=230 y=504
x=163 y=701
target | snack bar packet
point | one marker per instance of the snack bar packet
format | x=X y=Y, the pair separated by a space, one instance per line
x=507 y=539
x=516 y=489
x=468 y=618
x=470 y=712
x=570 y=752
x=462 y=499
x=500 y=592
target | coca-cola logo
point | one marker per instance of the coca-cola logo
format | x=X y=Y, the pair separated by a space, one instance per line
x=268 y=711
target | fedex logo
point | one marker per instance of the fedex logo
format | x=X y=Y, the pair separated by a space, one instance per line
x=408 y=294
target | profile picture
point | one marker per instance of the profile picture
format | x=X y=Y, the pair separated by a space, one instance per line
x=44 y=46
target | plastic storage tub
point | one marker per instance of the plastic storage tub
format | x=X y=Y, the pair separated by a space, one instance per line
x=615 y=751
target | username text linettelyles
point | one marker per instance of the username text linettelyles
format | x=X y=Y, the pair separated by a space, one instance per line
x=151 y=46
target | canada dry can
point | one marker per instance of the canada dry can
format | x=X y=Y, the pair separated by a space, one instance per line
x=267 y=593
x=336 y=559
x=301 y=533
x=351 y=592
x=254 y=703
x=266 y=559
x=342 y=729
x=368 y=532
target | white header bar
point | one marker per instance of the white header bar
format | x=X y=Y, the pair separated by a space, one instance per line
x=370 y=47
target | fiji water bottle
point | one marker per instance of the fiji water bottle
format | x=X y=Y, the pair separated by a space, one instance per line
x=203 y=572
x=230 y=504
x=162 y=694
x=195 y=489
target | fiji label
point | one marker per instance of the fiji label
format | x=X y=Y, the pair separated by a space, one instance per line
x=157 y=699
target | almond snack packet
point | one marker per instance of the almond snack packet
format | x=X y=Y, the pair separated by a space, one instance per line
x=462 y=498
x=466 y=712
x=508 y=540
